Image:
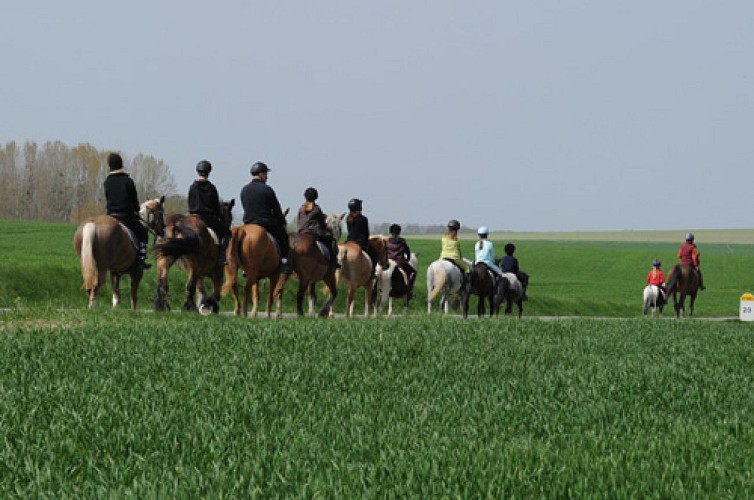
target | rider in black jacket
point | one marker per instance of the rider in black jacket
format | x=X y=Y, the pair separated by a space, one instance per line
x=204 y=202
x=123 y=204
x=261 y=206
x=358 y=229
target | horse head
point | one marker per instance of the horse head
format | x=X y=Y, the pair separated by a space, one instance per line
x=380 y=247
x=226 y=212
x=152 y=215
x=333 y=223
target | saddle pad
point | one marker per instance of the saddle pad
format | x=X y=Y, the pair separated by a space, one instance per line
x=323 y=248
x=213 y=235
x=131 y=235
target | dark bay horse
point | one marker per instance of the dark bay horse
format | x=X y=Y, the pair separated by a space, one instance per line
x=190 y=244
x=103 y=244
x=683 y=280
x=311 y=266
x=356 y=271
x=254 y=251
x=511 y=291
x=483 y=286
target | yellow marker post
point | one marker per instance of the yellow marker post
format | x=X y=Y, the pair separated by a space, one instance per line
x=747 y=307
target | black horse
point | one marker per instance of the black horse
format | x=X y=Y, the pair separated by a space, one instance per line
x=482 y=284
x=512 y=290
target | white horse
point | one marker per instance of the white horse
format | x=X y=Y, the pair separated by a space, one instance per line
x=443 y=277
x=654 y=299
x=386 y=292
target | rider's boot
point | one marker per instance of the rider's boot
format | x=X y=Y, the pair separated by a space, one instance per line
x=701 y=280
x=285 y=266
x=222 y=250
x=142 y=260
x=334 y=256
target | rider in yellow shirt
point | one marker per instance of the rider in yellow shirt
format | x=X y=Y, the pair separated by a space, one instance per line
x=451 y=247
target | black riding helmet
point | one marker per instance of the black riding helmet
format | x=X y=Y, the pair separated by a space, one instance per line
x=354 y=205
x=509 y=248
x=454 y=224
x=395 y=229
x=259 y=168
x=311 y=194
x=203 y=168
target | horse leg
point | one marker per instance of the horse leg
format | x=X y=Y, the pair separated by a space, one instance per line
x=135 y=280
x=251 y=283
x=349 y=300
x=115 y=285
x=161 y=300
x=520 y=304
x=278 y=292
x=189 y=292
x=302 y=288
x=333 y=289
x=508 y=307
x=692 y=299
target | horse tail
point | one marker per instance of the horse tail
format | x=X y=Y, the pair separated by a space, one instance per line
x=438 y=284
x=675 y=277
x=231 y=268
x=88 y=262
x=177 y=247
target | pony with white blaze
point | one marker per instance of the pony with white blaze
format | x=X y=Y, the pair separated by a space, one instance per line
x=443 y=278
x=392 y=283
x=654 y=299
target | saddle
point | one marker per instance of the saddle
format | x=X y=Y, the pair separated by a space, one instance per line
x=213 y=235
x=131 y=236
x=324 y=249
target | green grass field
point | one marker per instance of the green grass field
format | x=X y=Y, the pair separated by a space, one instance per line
x=106 y=403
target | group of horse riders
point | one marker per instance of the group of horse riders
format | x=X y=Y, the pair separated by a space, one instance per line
x=688 y=255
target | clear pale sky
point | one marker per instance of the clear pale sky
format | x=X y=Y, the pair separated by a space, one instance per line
x=524 y=116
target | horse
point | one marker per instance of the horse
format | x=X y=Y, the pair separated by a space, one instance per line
x=511 y=291
x=254 y=250
x=103 y=244
x=191 y=244
x=482 y=285
x=444 y=277
x=311 y=266
x=654 y=299
x=392 y=283
x=683 y=280
x=356 y=271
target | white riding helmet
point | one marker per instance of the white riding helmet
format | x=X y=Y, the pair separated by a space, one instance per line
x=483 y=230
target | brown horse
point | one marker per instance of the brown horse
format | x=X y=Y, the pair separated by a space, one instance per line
x=255 y=252
x=103 y=244
x=482 y=285
x=356 y=271
x=683 y=280
x=191 y=245
x=311 y=266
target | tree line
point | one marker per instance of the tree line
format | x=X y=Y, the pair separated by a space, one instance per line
x=57 y=183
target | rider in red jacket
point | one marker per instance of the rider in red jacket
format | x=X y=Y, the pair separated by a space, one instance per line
x=656 y=276
x=689 y=255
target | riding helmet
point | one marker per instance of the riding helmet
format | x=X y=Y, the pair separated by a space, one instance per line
x=395 y=229
x=656 y=263
x=114 y=161
x=454 y=224
x=311 y=194
x=689 y=236
x=203 y=167
x=259 y=168
x=509 y=248
x=354 y=205
x=483 y=231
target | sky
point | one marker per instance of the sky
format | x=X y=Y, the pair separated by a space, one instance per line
x=521 y=116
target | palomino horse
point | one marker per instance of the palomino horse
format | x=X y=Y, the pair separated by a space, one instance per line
x=191 y=244
x=356 y=271
x=103 y=244
x=444 y=277
x=253 y=250
x=683 y=280
x=654 y=299
x=312 y=266
x=483 y=286
x=392 y=284
x=511 y=290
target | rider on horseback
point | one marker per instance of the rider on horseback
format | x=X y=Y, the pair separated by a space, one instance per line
x=358 y=230
x=261 y=207
x=312 y=221
x=451 y=250
x=123 y=204
x=656 y=277
x=509 y=264
x=398 y=250
x=689 y=255
x=484 y=252
x=204 y=202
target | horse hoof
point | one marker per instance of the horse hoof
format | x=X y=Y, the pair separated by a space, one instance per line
x=205 y=309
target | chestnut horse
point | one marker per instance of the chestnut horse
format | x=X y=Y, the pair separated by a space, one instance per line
x=483 y=286
x=103 y=244
x=683 y=280
x=356 y=271
x=311 y=266
x=253 y=250
x=191 y=245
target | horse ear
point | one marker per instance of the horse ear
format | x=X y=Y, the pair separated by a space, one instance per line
x=232 y=203
x=285 y=213
x=162 y=199
x=341 y=216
